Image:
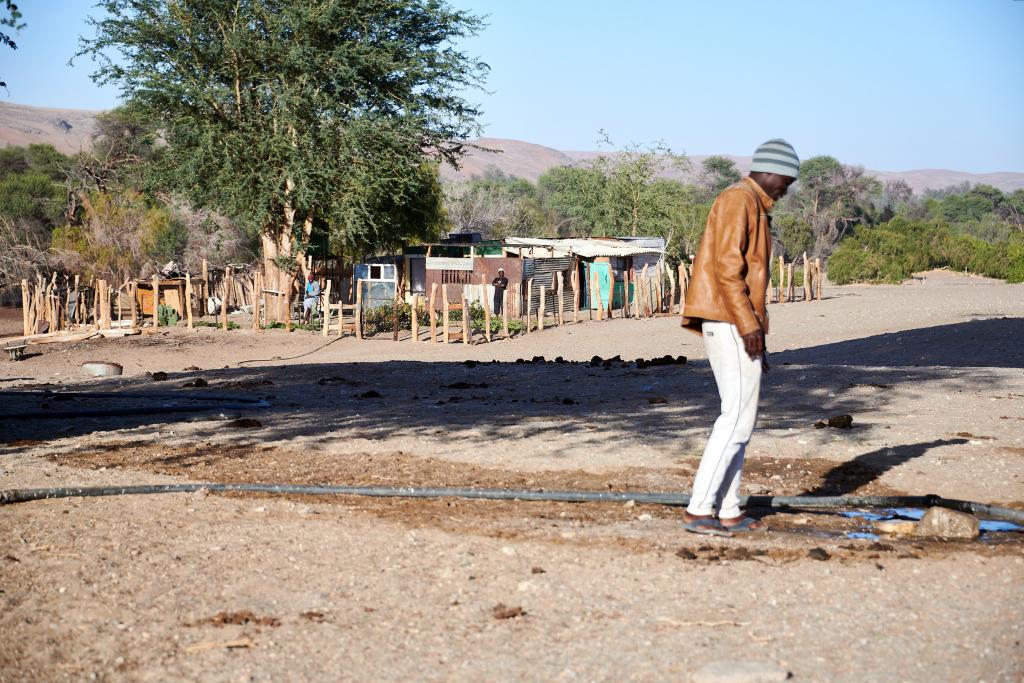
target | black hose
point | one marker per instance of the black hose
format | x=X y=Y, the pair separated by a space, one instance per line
x=672 y=499
x=233 y=403
x=173 y=396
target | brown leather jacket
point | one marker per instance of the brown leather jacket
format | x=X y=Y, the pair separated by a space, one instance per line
x=731 y=269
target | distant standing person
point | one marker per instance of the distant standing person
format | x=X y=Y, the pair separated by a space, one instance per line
x=500 y=284
x=309 y=298
x=726 y=303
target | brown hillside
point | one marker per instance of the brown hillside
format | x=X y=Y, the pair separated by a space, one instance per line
x=70 y=130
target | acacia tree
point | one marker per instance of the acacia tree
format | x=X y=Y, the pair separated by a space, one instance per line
x=282 y=113
x=831 y=198
x=719 y=172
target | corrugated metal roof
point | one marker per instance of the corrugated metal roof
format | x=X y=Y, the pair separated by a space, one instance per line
x=587 y=248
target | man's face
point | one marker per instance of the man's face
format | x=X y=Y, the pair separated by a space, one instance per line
x=775 y=185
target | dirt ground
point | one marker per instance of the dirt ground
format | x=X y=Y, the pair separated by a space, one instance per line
x=233 y=587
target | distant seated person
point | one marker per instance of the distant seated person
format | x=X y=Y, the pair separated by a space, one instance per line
x=500 y=284
x=309 y=299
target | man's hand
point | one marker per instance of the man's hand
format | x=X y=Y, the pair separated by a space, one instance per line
x=753 y=344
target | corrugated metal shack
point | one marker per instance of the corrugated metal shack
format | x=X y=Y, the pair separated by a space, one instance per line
x=610 y=258
x=466 y=259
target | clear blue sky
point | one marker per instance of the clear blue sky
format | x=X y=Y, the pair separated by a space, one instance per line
x=890 y=85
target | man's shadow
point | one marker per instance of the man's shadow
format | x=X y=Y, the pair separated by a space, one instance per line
x=867 y=467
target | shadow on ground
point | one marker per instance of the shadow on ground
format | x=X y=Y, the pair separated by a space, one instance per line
x=573 y=405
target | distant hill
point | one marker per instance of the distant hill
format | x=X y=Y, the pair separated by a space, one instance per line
x=529 y=161
x=70 y=130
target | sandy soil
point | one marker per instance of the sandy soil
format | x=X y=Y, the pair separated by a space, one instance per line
x=154 y=587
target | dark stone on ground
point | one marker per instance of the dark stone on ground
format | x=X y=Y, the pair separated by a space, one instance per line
x=818 y=554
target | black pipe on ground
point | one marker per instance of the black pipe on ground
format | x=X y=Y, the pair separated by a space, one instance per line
x=672 y=499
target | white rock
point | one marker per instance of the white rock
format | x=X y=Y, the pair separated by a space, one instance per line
x=946 y=523
x=733 y=671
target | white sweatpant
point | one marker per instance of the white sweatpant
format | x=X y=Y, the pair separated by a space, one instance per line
x=716 y=486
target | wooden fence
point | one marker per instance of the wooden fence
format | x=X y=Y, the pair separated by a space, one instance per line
x=67 y=304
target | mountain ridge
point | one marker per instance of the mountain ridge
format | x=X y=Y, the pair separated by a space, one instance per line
x=71 y=130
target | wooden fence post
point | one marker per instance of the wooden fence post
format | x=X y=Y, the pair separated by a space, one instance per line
x=487 y=312
x=807 y=278
x=414 y=316
x=326 y=313
x=188 y=298
x=25 y=323
x=672 y=290
x=433 y=313
x=224 y=299
x=817 y=276
x=205 y=287
x=782 y=280
x=574 y=280
x=445 y=320
x=156 y=300
x=465 y=318
x=611 y=291
x=561 y=298
x=541 y=309
x=257 y=299
x=529 y=302
x=359 y=309
x=504 y=313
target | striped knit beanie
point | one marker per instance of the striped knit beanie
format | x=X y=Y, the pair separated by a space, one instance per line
x=776 y=156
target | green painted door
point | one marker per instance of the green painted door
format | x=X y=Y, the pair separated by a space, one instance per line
x=604 y=280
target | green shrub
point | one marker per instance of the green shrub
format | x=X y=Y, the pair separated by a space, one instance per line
x=232 y=325
x=895 y=250
x=379 y=319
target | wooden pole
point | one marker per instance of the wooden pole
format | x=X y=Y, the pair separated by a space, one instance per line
x=608 y=310
x=205 y=288
x=575 y=281
x=78 y=303
x=257 y=296
x=133 y=292
x=224 y=300
x=326 y=313
x=99 y=304
x=781 y=280
x=359 y=309
x=465 y=318
x=504 y=313
x=25 y=322
x=487 y=312
x=561 y=299
x=791 y=282
x=156 y=300
x=672 y=290
x=188 y=298
x=394 y=314
x=445 y=319
x=541 y=310
x=817 y=277
x=433 y=313
x=287 y=304
x=807 y=278
x=414 y=316
x=529 y=302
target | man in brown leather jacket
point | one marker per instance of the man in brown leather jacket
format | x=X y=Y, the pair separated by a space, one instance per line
x=725 y=303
